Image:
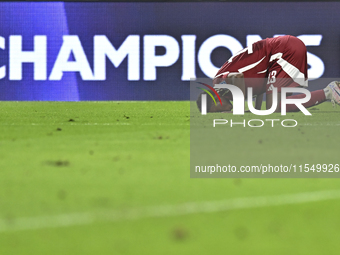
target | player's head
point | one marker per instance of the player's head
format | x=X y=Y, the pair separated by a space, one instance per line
x=211 y=106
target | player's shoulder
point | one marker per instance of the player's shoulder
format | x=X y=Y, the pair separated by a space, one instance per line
x=282 y=39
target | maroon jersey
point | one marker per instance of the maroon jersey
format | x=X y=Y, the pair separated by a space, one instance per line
x=272 y=62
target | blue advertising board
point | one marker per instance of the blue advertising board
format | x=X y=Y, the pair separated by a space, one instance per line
x=146 y=51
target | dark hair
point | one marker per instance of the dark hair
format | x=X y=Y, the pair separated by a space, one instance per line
x=209 y=101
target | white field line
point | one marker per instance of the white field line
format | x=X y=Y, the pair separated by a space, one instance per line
x=74 y=219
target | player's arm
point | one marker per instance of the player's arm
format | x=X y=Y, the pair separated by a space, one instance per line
x=237 y=79
x=269 y=101
x=258 y=102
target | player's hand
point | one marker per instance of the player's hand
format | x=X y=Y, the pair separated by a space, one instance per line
x=217 y=81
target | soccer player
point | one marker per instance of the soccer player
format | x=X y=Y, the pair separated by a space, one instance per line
x=273 y=62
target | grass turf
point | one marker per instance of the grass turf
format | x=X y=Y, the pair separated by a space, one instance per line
x=60 y=158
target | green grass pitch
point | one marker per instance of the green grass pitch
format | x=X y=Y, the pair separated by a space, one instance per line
x=113 y=178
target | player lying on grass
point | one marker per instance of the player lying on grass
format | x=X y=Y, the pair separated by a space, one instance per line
x=273 y=62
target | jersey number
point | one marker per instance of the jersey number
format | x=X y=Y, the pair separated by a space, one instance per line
x=271 y=77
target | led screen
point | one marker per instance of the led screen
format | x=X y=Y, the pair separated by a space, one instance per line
x=146 y=51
